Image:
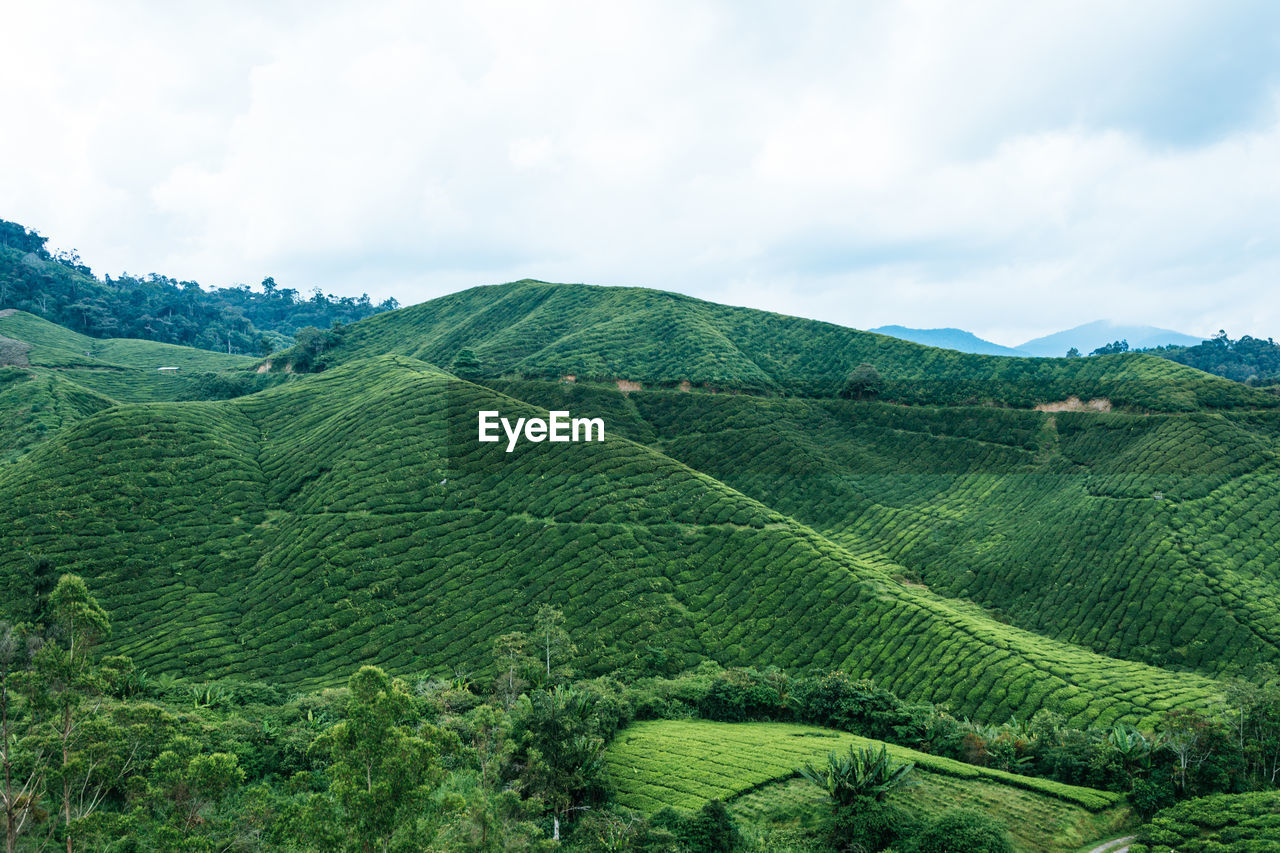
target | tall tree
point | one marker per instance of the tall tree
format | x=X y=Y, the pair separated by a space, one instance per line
x=555 y=648
x=381 y=775
x=69 y=679
x=562 y=750
x=22 y=759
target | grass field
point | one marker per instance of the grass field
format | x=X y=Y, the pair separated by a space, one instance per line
x=684 y=763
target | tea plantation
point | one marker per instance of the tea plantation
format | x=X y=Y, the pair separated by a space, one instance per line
x=353 y=518
x=1222 y=823
x=753 y=768
x=533 y=329
x=261 y=533
x=50 y=377
x=1139 y=536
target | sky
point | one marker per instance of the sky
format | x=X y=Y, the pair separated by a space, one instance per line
x=1010 y=168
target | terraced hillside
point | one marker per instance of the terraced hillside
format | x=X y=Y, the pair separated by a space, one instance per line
x=51 y=345
x=1222 y=823
x=753 y=767
x=1144 y=537
x=351 y=517
x=50 y=377
x=539 y=330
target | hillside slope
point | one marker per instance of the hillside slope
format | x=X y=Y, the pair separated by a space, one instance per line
x=533 y=329
x=50 y=377
x=352 y=517
x=1144 y=537
x=753 y=768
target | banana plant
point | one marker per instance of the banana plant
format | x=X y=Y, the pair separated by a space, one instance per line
x=860 y=773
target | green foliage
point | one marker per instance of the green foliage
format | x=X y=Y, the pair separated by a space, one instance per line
x=308 y=354
x=711 y=830
x=350 y=517
x=1223 y=823
x=1249 y=360
x=555 y=649
x=859 y=774
x=59 y=288
x=1113 y=348
x=869 y=824
x=684 y=763
x=381 y=775
x=531 y=329
x=963 y=832
x=562 y=752
x=1134 y=536
x=863 y=383
x=465 y=364
x=478 y=819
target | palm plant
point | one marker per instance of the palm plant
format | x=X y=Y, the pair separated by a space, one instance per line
x=860 y=773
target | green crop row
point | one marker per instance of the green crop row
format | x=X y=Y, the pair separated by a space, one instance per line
x=1222 y=823
x=351 y=517
x=1136 y=536
x=684 y=763
x=532 y=329
x=1036 y=823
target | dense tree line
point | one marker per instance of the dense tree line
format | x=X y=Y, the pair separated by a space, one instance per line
x=98 y=756
x=58 y=287
x=1252 y=361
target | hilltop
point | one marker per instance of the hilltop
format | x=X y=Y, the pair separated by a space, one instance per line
x=653 y=338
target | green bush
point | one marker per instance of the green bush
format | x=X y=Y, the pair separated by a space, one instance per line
x=962 y=832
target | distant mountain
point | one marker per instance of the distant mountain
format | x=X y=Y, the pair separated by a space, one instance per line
x=1090 y=336
x=956 y=339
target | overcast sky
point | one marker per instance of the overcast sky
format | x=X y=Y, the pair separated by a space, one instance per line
x=1010 y=168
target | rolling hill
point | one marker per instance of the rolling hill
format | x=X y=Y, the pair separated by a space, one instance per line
x=351 y=517
x=1138 y=536
x=50 y=377
x=656 y=339
x=998 y=536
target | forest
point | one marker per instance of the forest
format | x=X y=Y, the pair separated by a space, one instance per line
x=59 y=287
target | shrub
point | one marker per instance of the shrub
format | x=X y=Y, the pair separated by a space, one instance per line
x=963 y=831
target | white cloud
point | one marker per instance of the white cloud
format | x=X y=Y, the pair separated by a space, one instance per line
x=1011 y=168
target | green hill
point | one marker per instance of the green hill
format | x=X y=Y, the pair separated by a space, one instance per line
x=752 y=767
x=351 y=517
x=1141 y=537
x=536 y=330
x=50 y=377
x=51 y=345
